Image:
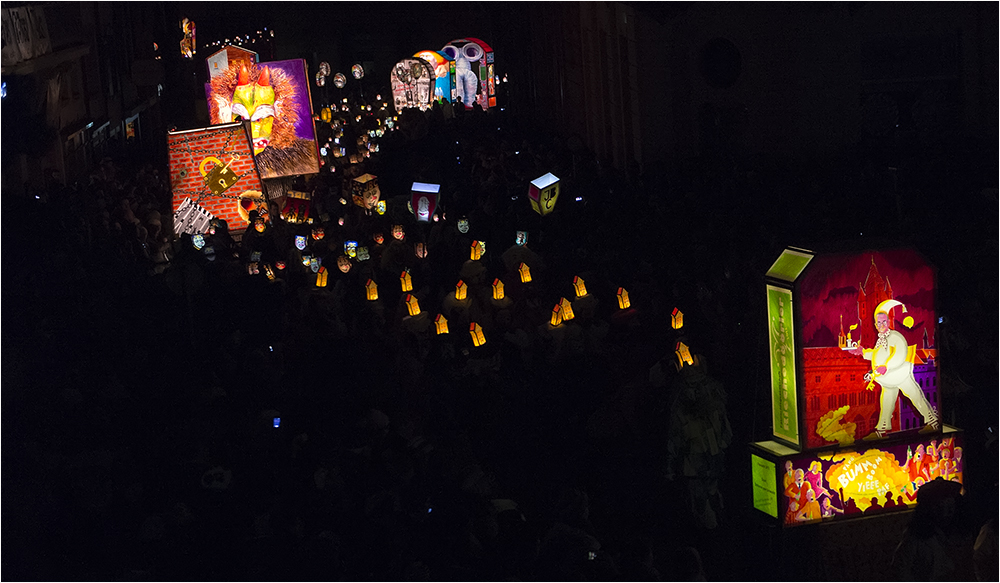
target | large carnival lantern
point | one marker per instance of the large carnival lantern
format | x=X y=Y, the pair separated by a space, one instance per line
x=412 y=82
x=444 y=74
x=475 y=78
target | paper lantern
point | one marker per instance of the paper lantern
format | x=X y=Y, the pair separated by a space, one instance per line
x=380 y=207
x=269 y=272
x=198 y=241
x=521 y=238
x=556 y=318
x=318 y=233
x=497 y=289
x=477 y=250
x=371 y=291
x=358 y=71
x=378 y=238
x=252 y=268
x=339 y=80
x=683 y=354
x=623 y=301
x=567 y=309
x=321 y=276
x=463 y=225
x=412 y=305
x=578 y=285
x=300 y=242
x=420 y=250
x=280 y=265
x=424 y=199
x=365 y=191
x=398 y=233
x=441 y=324
x=324 y=69
x=461 y=290
x=363 y=254
x=326 y=114
x=343 y=263
x=476 y=331
x=676 y=319
x=406 y=282
x=351 y=248
x=525 y=272
x=543 y=193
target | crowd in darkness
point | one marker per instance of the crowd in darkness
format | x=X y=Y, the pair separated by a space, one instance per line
x=145 y=378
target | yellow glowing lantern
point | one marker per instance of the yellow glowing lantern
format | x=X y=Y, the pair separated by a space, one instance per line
x=412 y=305
x=567 y=309
x=477 y=250
x=497 y=289
x=525 y=272
x=676 y=319
x=556 y=318
x=405 y=281
x=683 y=354
x=578 y=285
x=623 y=301
x=441 y=324
x=269 y=272
x=461 y=290
x=371 y=290
x=321 y=276
x=476 y=331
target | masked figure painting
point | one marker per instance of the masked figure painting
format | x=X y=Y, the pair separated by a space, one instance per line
x=265 y=97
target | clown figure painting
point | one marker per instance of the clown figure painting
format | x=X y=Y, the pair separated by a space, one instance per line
x=273 y=98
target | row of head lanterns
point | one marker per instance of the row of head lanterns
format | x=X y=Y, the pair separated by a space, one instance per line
x=339 y=79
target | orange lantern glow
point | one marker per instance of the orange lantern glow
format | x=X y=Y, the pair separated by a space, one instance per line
x=343 y=263
x=269 y=272
x=556 y=318
x=623 y=301
x=683 y=354
x=567 y=309
x=676 y=319
x=525 y=272
x=477 y=250
x=321 y=276
x=371 y=290
x=412 y=305
x=441 y=324
x=497 y=289
x=476 y=331
x=461 y=290
x=397 y=232
x=405 y=281
x=578 y=285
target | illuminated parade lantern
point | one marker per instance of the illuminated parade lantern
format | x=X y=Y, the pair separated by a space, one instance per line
x=474 y=72
x=444 y=74
x=567 y=309
x=461 y=290
x=412 y=81
x=365 y=191
x=412 y=305
x=441 y=324
x=557 y=315
x=579 y=286
x=476 y=331
x=676 y=319
x=405 y=281
x=398 y=233
x=321 y=277
x=854 y=387
x=219 y=61
x=543 y=192
x=498 y=289
x=477 y=250
x=371 y=291
x=525 y=272
x=623 y=301
x=424 y=199
x=683 y=354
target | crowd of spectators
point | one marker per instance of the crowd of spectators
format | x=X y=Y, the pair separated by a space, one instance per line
x=186 y=416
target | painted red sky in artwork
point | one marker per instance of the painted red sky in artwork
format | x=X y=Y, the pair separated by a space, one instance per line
x=829 y=289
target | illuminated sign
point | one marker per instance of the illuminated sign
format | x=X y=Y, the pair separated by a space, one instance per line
x=543 y=192
x=765 y=492
x=782 y=355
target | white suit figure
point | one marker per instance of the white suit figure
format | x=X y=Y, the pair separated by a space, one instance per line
x=892 y=368
x=466 y=80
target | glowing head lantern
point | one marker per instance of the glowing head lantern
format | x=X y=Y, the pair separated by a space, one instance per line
x=676 y=319
x=339 y=80
x=378 y=238
x=441 y=324
x=405 y=281
x=476 y=331
x=380 y=207
x=579 y=286
x=358 y=71
x=463 y=225
x=363 y=254
x=371 y=291
x=567 y=309
x=351 y=248
x=300 y=242
x=318 y=233
x=420 y=250
x=315 y=263
x=543 y=193
x=498 y=289
x=623 y=301
x=198 y=241
x=365 y=191
x=259 y=225
x=461 y=290
x=412 y=305
x=424 y=199
x=343 y=264
x=398 y=233
x=280 y=265
x=521 y=238
x=525 y=272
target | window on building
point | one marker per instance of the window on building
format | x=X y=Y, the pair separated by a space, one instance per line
x=817 y=379
x=854 y=399
x=831 y=402
x=841 y=400
x=836 y=379
x=854 y=377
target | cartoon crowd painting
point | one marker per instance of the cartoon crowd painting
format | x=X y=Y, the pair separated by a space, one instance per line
x=852 y=483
